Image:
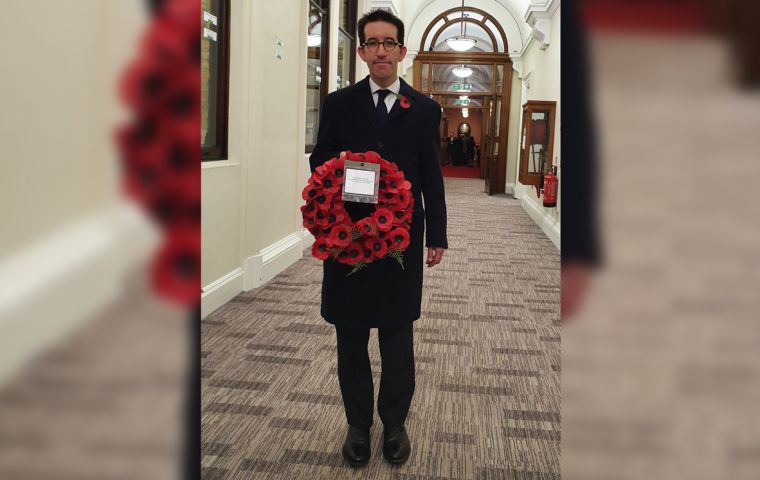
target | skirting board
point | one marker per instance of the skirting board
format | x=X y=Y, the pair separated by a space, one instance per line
x=549 y=225
x=256 y=271
x=58 y=284
x=221 y=291
x=275 y=258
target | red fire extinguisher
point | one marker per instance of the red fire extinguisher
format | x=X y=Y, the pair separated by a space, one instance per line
x=550 y=188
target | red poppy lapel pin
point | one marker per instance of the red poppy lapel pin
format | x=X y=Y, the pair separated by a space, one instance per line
x=404 y=101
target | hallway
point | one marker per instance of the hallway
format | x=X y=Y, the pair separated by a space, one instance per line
x=487 y=350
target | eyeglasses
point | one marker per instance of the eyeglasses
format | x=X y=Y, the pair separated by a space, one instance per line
x=372 y=45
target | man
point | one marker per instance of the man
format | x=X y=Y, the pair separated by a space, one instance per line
x=470 y=149
x=449 y=150
x=581 y=249
x=369 y=116
x=458 y=148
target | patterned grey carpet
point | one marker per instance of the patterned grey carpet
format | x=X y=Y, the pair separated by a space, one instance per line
x=487 y=347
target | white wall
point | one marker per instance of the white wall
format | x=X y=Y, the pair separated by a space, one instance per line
x=250 y=209
x=68 y=237
x=542 y=67
x=58 y=94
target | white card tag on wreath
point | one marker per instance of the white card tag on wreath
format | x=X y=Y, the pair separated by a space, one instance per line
x=361 y=181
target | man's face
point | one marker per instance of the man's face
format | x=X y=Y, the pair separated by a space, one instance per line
x=382 y=64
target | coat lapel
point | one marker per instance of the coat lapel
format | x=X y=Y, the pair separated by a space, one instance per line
x=363 y=98
x=397 y=111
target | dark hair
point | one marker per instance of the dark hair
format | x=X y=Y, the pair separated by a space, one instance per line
x=380 y=16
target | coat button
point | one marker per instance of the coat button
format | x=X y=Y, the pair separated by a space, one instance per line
x=380 y=144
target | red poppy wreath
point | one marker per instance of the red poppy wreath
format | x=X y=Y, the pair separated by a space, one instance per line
x=384 y=234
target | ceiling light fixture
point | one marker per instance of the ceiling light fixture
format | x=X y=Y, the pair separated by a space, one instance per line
x=462 y=72
x=462 y=42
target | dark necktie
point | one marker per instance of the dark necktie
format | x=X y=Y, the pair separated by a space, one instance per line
x=381 y=110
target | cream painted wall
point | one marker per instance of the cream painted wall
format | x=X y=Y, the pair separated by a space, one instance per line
x=59 y=106
x=221 y=181
x=543 y=66
x=251 y=200
x=276 y=135
x=220 y=227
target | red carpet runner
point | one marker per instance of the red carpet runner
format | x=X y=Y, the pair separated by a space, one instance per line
x=460 y=172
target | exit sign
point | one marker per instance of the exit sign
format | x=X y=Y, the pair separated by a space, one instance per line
x=462 y=101
x=462 y=87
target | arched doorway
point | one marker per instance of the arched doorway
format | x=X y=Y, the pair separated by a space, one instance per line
x=485 y=92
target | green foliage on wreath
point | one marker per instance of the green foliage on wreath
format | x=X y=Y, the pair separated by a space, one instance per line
x=399 y=256
x=358 y=267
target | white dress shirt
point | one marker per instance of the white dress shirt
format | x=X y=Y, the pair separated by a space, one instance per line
x=389 y=99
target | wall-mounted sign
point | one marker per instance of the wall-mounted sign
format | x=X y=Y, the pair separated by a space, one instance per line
x=209 y=17
x=462 y=101
x=210 y=34
x=462 y=87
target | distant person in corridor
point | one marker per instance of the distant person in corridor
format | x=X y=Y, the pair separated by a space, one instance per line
x=362 y=117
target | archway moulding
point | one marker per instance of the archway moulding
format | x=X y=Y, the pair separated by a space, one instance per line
x=508 y=13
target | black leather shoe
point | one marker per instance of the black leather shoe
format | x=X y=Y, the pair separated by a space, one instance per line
x=356 y=449
x=396 y=446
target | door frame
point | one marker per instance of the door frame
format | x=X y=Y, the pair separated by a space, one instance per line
x=497 y=180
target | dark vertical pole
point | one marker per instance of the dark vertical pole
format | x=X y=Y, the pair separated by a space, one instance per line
x=191 y=445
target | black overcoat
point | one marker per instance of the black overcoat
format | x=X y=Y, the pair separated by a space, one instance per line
x=383 y=294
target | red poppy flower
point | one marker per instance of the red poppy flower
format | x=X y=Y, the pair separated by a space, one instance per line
x=404 y=102
x=309 y=210
x=335 y=167
x=144 y=83
x=392 y=182
x=354 y=253
x=389 y=199
x=399 y=238
x=330 y=184
x=321 y=219
x=355 y=156
x=401 y=216
x=323 y=201
x=176 y=272
x=309 y=192
x=389 y=165
x=366 y=227
x=368 y=257
x=405 y=199
x=372 y=157
x=342 y=256
x=387 y=240
x=320 y=171
x=340 y=236
x=176 y=203
x=377 y=246
x=309 y=222
x=383 y=219
x=321 y=249
x=334 y=218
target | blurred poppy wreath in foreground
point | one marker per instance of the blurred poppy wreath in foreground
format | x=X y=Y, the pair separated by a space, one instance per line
x=384 y=234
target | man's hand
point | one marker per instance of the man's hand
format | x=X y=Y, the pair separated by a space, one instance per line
x=575 y=280
x=435 y=254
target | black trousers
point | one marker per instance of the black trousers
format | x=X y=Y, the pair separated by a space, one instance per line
x=396 y=379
